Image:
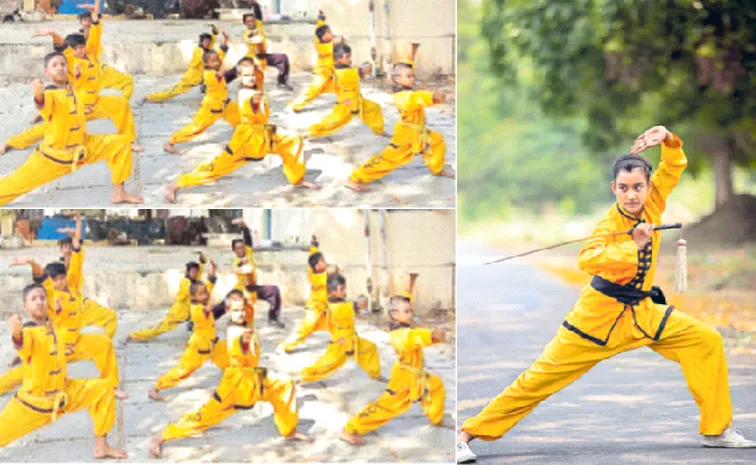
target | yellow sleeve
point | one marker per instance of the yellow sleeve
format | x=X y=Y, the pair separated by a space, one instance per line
x=196 y=313
x=320 y=22
x=260 y=31
x=197 y=62
x=75 y=273
x=598 y=255
x=210 y=78
x=421 y=98
x=183 y=293
x=213 y=38
x=47 y=109
x=343 y=319
x=421 y=337
x=210 y=283
x=314 y=249
x=27 y=343
x=667 y=175
x=318 y=280
x=201 y=268
x=94 y=41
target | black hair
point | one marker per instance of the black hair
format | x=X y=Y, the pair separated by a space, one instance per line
x=52 y=55
x=247 y=15
x=30 y=287
x=339 y=50
x=206 y=56
x=75 y=39
x=313 y=259
x=629 y=163
x=192 y=265
x=195 y=287
x=205 y=36
x=236 y=241
x=65 y=241
x=321 y=31
x=55 y=269
x=251 y=62
x=334 y=281
x=234 y=292
x=400 y=298
x=85 y=15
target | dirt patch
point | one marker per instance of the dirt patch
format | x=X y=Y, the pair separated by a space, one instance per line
x=731 y=225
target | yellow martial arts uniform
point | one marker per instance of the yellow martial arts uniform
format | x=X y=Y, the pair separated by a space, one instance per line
x=409 y=383
x=600 y=326
x=322 y=81
x=316 y=310
x=345 y=343
x=203 y=345
x=252 y=140
x=46 y=393
x=65 y=147
x=191 y=78
x=257 y=47
x=215 y=105
x=177 y=314
x=411 y=137
x=242 y=386
x=110 y=78
x=93 y=314
x=349 y=103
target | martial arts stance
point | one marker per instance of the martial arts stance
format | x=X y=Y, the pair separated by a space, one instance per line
x=253 y=140
x=617 y=313
x=257 y=48
x=323 y=79
x=66 y=146
x=411 y=136
x=179 y=311
x=316 y=310
x=345 y=342
x=243 y=385
x=47 y=392
x=349 y=99
x=409 y=381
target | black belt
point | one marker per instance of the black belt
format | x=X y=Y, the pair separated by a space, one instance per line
x=37 y=409
x=626 y=294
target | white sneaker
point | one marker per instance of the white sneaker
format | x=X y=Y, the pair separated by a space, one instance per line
x=729 y=438
x=464 y=454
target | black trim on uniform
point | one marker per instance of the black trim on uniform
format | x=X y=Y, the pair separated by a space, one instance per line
x=595 y=340
x=663 y=323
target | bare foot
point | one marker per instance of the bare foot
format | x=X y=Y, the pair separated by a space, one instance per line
x=308 y=185
x=144 y=100
x=154 y=394
x=382 y=379
x=351 y=438
x=37 y=119
x=102 y=450
x=155 y=447
x=14 y=362
x=136 y=148
x=169 y=193
x=170 y=148
x=4 y=149
x=446 y=425
x=298 y=381
x=446 y=174
x=120 y=195
x=357 y=187
x=120 y=394
x=297 y=436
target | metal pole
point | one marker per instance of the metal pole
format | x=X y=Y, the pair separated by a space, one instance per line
x=368 y=262
x=384 y=262
x=387 y=21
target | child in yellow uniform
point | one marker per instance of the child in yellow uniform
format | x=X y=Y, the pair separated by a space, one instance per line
x=193 y=76
x=215 y=103
x=47 y=392
x=110 y=78
x=257 y=48
x=616 y=312
x=316 y=311
x=252 y=141
x=203 y=344
x=349 y=99
x=323 y=79
x=66 y=146
x=409 y=381
x=411 y=136
x=345 y=342
x=179 y=311
x=243 y=384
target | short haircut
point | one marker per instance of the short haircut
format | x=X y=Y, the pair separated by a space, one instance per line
x=65 y=241
x=234 y=292
x=207 y=54
x=397 y=68
x=50 y=56
x=195 y=287
x=30 y=287
x=85 y=15
x=340 y=50
x=629 y=163
x=205 y=36
x=313 y=259
x=321 y=31
x=55 y=269
x=245 y=61
x=192 y=266
x=75 y=39
x=236 y=241
x=247 y=15
x=334 y=281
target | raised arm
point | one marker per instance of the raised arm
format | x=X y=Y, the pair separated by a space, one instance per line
x=671 y=166
x=603 y=254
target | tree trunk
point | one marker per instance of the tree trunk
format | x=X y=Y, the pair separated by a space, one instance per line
x=723 y=172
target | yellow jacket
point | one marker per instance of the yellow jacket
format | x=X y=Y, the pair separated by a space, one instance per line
x=408 y=373
x=75 y=271
x=66 y=125
x=256 y=41
x=69 y=320
x=94 y=41
x=342 y=320
x=618 y=260
x=203 y=324
x=216 y=92
x=347 y=87
x=44 y=359
x=184 y=297
x=197 y=65
x=242 y=381
x=318 y=291
x=324 y=65
x=410 y=129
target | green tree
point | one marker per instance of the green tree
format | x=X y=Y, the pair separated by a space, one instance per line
x=626 y=65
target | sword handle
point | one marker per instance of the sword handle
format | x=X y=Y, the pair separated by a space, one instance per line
x=660 y=227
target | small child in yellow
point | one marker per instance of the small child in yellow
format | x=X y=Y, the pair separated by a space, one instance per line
x=349 y=99
x=411 y=136
x=203 y=344
x=253 y=140
x=215 y=103
x=179 y=311
x=257 y=48
x=244 y=384
x=345 y=342
x=323 y=80
x=409 y=381
x=316 y=311
x=47 y=392
x=193 y=76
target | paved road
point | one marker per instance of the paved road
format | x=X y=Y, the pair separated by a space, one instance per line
x=634 y=408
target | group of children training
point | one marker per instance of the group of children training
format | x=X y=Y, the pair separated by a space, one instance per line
x=57 y=312
x=78 y=76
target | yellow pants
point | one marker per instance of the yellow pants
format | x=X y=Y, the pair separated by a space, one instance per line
x=17 y=419
x=190 y=79
x=203 y=119
x=94 y=347
x=111 y=78
x=28 y=137
x=341 y=115
x=239 y=152
x=321 y=84
x=278 y=393
x=314 y=320
x=403 y=389
x=38 y=170
x=195 y=355
x=400 y=153
x=97 y=315
x=335 y=356
x=177 y=314
x=695 y=346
